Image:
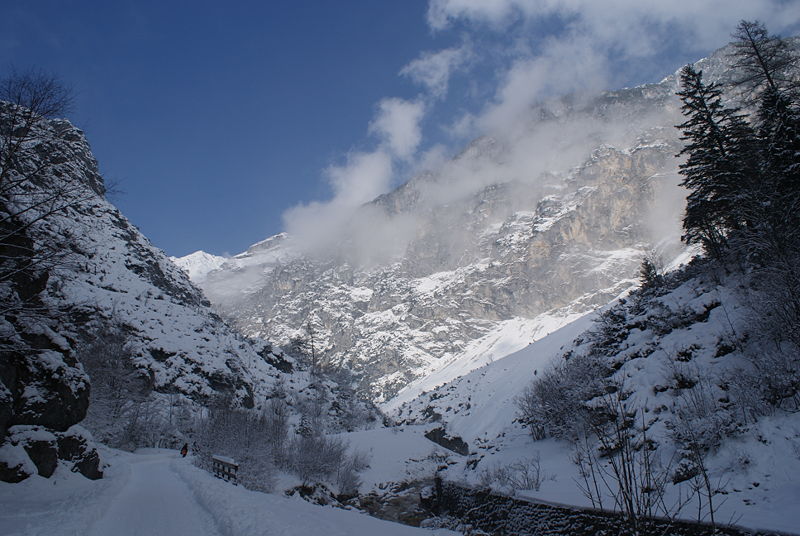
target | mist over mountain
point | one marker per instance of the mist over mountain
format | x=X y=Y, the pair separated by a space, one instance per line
x=510 y=239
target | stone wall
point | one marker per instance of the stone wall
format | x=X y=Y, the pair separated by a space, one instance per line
x=501 y=515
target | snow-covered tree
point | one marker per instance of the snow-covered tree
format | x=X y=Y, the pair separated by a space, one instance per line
x=720 y=167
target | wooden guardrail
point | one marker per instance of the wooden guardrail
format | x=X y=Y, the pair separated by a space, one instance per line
x=224 y=468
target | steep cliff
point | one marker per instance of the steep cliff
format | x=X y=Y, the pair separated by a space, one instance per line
x=500 y=246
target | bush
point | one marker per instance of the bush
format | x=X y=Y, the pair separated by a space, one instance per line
x=525 y=474
x=553 y=405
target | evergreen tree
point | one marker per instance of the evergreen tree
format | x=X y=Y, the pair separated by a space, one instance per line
x=649 y=276
x=778 y=124
x=762 y=61
x=719 y=170
x=768 y=69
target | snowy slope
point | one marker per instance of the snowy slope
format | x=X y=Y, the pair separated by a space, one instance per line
x=110 y=278
x=481 y=405
x=116 y=276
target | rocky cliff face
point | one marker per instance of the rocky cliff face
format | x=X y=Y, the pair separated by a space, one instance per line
x=511 y=239
x=525 y=254
x=548 y=226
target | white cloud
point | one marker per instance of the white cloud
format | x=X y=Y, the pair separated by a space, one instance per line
x=633 y=26
x=539 y=49
x=322 y=226
x=561 y=67
x=363 y=177
x=434 y=69
x=397 y=124
x=583 y=44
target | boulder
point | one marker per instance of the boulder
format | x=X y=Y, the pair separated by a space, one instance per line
x=15 y=465
x=453 y=443
x=75 y=445
x=40 y=445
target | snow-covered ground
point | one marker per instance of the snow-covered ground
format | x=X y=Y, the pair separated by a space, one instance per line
x=508 y=337
x=156 y=492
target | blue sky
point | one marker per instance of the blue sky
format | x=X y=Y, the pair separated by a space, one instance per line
x=224 y=123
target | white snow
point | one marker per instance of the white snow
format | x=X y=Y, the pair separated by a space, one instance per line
x=156 y=492
x=198 y=264
x=509 y=337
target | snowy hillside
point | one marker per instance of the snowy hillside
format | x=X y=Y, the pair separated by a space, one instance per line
x=114 y=276
x=686 y=358
x=107 y=313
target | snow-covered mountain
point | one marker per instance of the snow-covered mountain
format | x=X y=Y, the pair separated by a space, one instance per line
x=513 y=238
x=198 y=264
x=499 y=247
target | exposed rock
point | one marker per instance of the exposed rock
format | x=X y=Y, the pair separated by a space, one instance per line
x=454 y=443
x=40 y=445
x=52 y=391
x=75 y=445
x=15 y=465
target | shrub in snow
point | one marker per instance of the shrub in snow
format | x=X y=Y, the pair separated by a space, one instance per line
x=260 y=443
x=554 y=404
x=244 y=436
x=124 y=412
x=524 y=474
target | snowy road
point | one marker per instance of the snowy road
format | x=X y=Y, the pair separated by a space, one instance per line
x=154 y=501
x=158 y=493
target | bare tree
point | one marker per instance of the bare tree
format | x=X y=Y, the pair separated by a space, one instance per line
x=35 y=184
x=763 y=61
